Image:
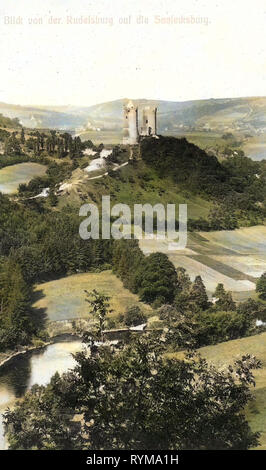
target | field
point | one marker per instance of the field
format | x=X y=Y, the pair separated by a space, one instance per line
x=225 y=353
x=235 y=258
x=12 y=176
x=64 y=299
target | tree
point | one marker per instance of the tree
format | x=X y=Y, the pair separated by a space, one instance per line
x=167 y=313
x=60 y=149
x=12 y=146
x=22 y=136
x=225 y=300
x=134 y=316
x=252 y=309
x=181 y=330
x=99 y=307
x=198 y=294
x=15 y=320
x=135 y=398
x=261 y=286
x=183 y=279
x=157 y=279
x=215 y=326
x=53 y=140
x=222 y=219
x=219 y=291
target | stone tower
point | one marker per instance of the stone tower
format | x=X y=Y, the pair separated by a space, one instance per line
x=149 y=121
x=130 y=125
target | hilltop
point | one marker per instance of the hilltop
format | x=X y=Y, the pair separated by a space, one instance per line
x=217 y=125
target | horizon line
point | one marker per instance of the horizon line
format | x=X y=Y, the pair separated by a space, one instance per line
x=132 y=99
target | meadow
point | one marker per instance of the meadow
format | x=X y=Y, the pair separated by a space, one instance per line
x=64 y=299
x=225 y=353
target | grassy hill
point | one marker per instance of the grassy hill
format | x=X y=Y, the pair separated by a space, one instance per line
x=133 y=184
x=224 y=353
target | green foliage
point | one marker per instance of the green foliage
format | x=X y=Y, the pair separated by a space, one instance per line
x=22 y=136
x=52 y=199
x=221 y=219
x=186 y=163
x=157 y=279
x=253 y=309
x=15 y=319
x=183 y=280
x=12 y=146
x=133 y=316
x=206 y=323
x=215 y=327
x=198 y=294
x=56 y=172
x=40 y=246
x=134 y=398
x=225 y=301
x=236 y=186
x=153 y=277
x=99 y=307
x=3 y=134
x=261 y=286
x=6 y=160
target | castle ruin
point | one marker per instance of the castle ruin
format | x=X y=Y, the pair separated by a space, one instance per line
x=131 y=132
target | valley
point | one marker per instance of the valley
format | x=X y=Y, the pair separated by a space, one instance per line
x=47 y=267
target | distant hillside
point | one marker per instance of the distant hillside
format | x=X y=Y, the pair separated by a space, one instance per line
x=9 y=123
x=230 y=114
x=239 y=114
x=44 y=117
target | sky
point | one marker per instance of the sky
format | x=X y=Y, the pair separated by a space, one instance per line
x=51 y=53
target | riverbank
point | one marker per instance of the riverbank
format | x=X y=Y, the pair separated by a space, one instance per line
x=30 y=368
x=114 y=334
x=6 y=358
x=10 y=356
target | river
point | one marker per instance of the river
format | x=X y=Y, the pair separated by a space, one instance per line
x=12 y=176
x=20 y=374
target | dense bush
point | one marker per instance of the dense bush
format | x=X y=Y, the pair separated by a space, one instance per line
x=261 y=286
x=134 y=398
x=153 y=277
x=133 y=316
x=221 y=326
